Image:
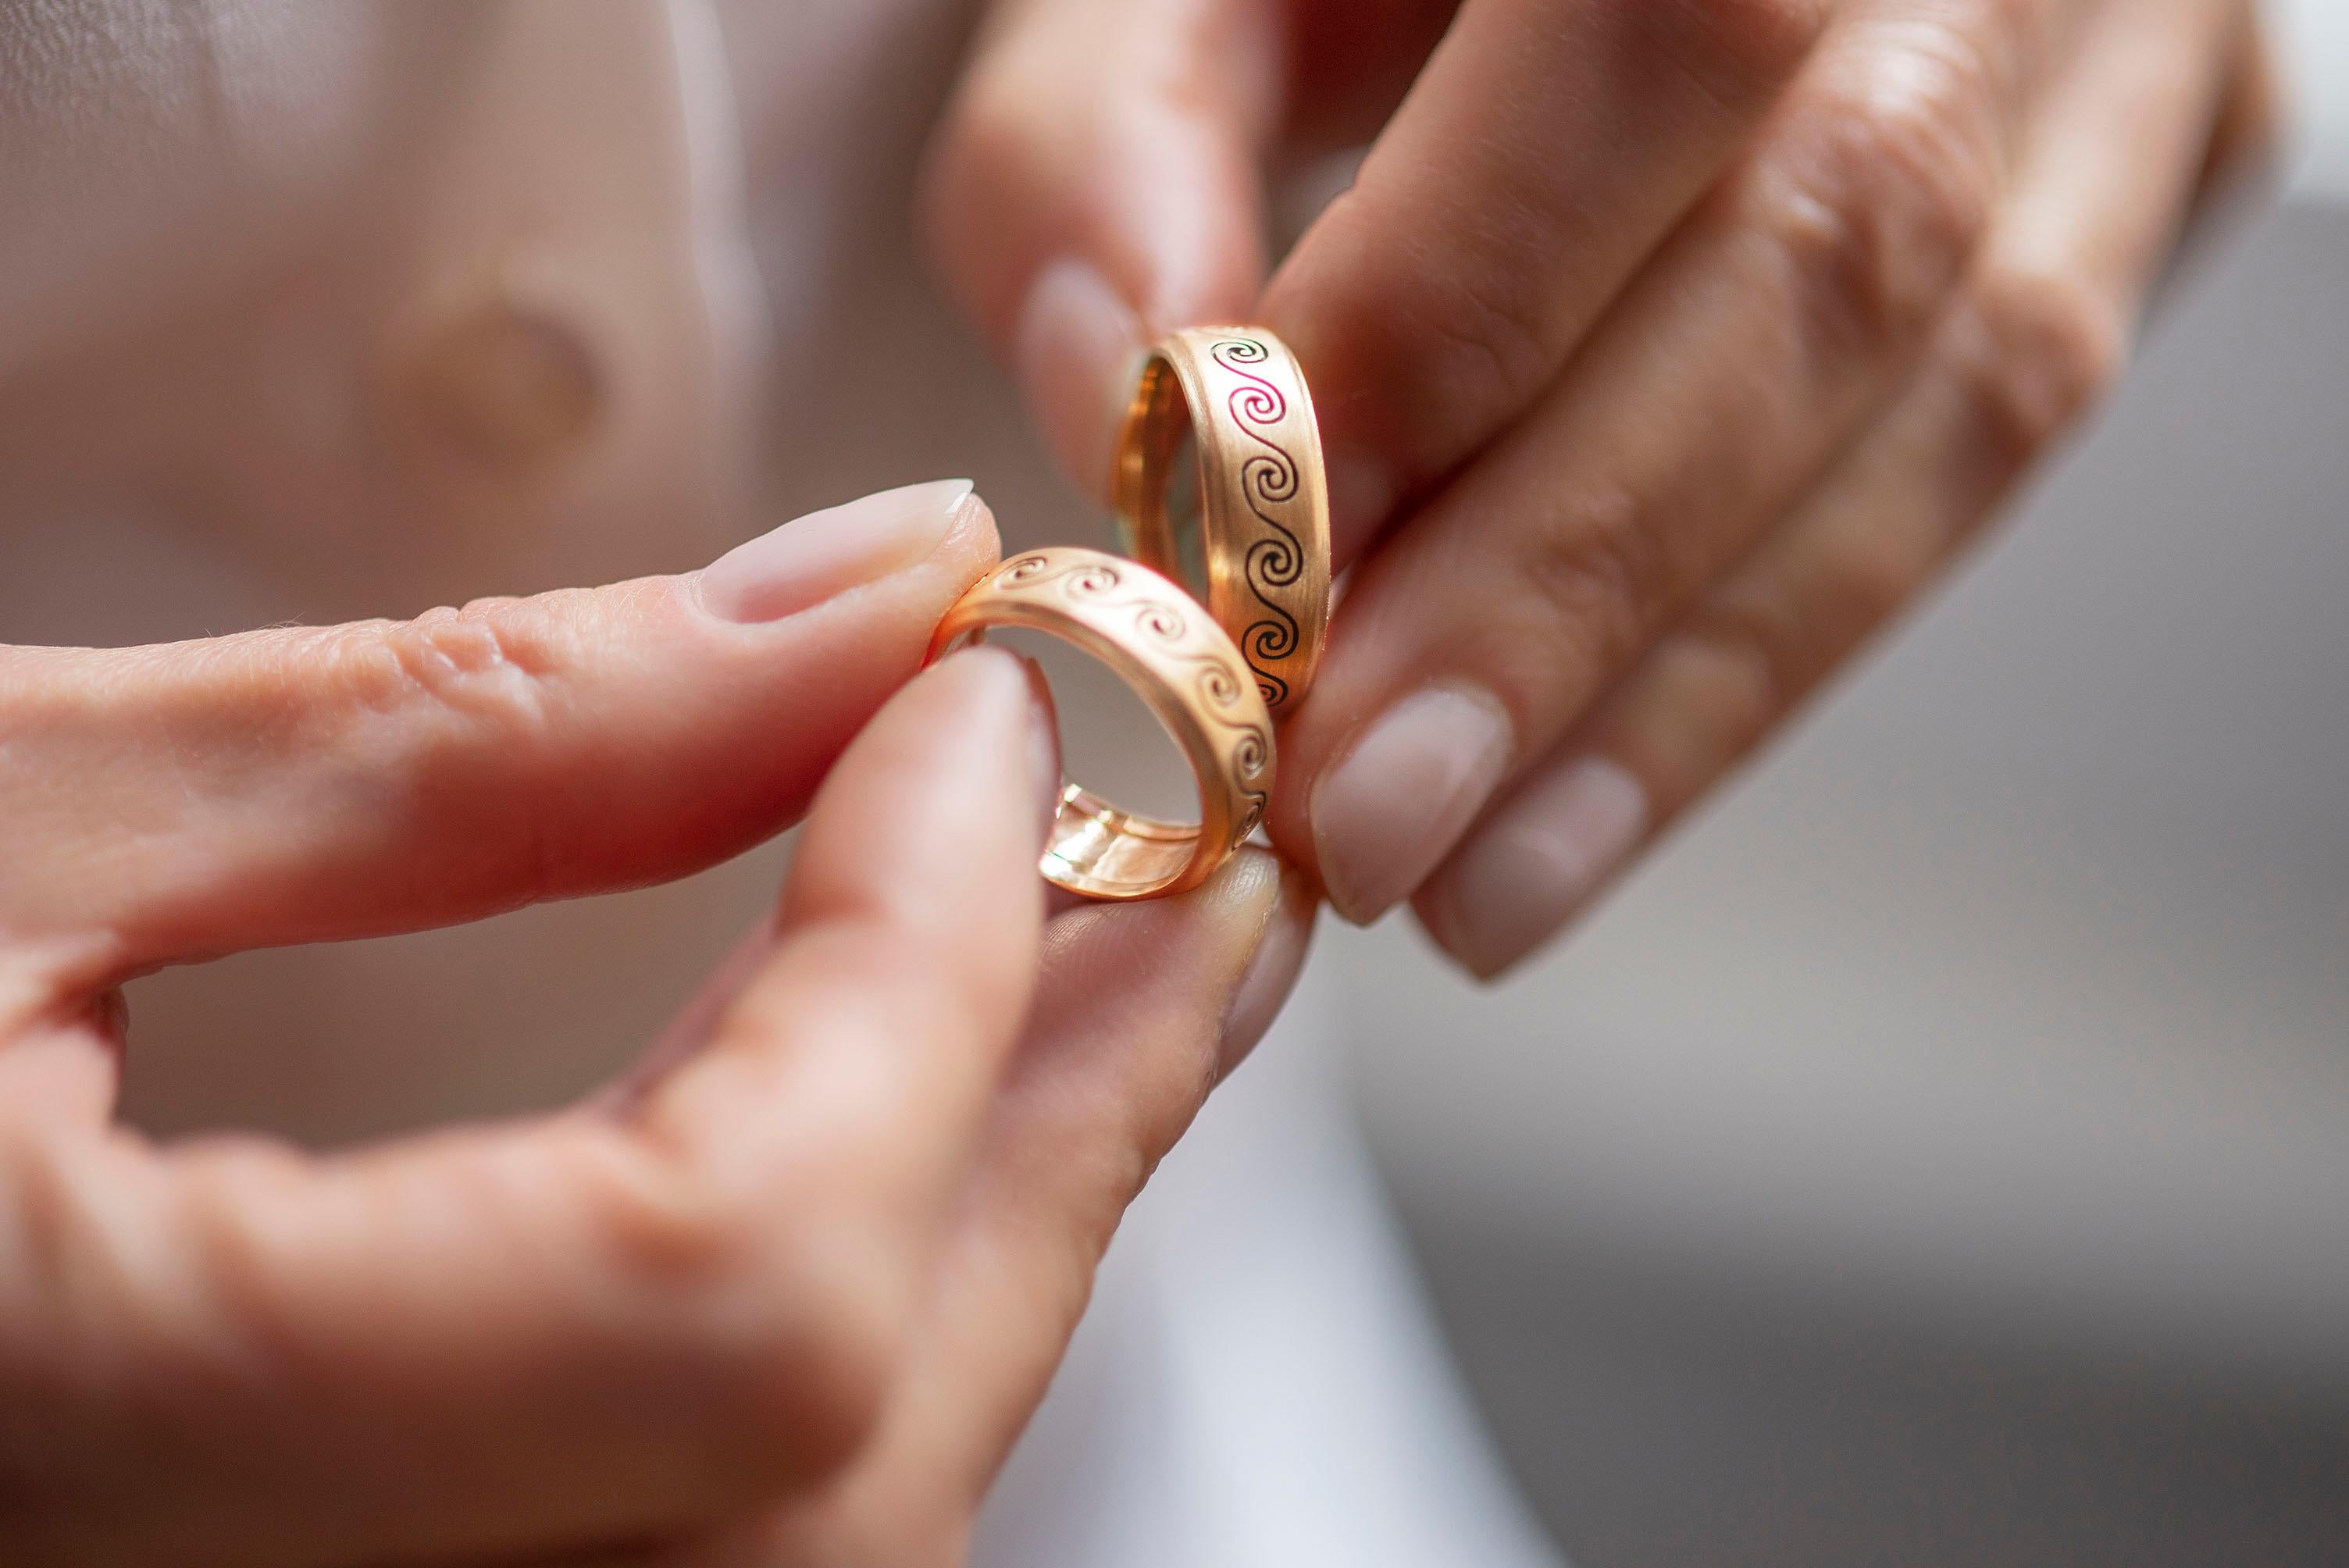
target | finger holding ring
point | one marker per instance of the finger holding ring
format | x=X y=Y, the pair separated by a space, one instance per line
x=1164 y=646
x=1244 y=520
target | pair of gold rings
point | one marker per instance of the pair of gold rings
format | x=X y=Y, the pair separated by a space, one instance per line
x=1245 y=522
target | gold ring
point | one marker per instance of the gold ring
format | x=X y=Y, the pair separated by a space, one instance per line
x=1249 y=528
x=1164 y=646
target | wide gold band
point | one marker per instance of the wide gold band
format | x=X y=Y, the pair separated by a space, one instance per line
x=1256 y=547
x=1161 y=644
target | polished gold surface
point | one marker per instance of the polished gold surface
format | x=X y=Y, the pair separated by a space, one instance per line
x=1162 y=643
x=1256 y=543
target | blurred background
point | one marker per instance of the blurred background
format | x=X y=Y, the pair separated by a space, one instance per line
x=1940 y=1153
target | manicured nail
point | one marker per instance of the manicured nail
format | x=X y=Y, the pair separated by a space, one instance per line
x=1076 y=347
x=1043 y=748
x=1271 y=973
x=1394 y=805
x=810 y=559
x=1539 y=861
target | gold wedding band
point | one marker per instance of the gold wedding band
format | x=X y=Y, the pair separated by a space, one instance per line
x=1164 y=646
x=1256 y=544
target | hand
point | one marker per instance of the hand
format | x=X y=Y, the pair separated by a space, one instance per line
x=1663 y=351
x=787 y=1295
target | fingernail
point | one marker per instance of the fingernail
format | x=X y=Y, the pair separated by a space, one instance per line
x=1271 y=973
x=1076 y=345
x=810 y=559
x=1043 y=748
x=1539 y=861
x=1394 y=805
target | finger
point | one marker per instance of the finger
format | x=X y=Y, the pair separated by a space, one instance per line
x=1779 y=317
x=61 y=1077
x=1141 y=1009
x=312 y=784
x=2040 y=331
x=897 y=987
x=61 y=1056
x=2249 y=124
x=690 y=1032
x=1096 y=178
x=1542 y=154
x=577 y=1331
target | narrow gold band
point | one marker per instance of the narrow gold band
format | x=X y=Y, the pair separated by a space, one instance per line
x=1258 y=550
x=1161 y=644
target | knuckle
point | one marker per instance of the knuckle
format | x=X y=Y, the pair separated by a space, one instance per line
x=1736 y=50
x=1599 y=573
x=1879 y=199
x=1858 y=582
x=2035 y=351
x=1488 y=343
x=489 y=660
x=1746 y=654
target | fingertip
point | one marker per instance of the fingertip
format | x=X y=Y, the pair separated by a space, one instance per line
x=1077 y=345
x=811 y=560
x=924 y=813
x=1436 y=909
x=972 y=542
x=1537 y=866
x=1284 y=937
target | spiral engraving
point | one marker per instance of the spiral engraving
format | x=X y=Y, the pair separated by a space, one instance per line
x=1213 y=678
x=1161 y=621
x=1251 y=751
x=1084 y=580
x=1215 y=684
x=1268 y=482
x=1175 y=656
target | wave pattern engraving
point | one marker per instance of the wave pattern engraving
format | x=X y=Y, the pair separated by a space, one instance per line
x=1216 y=683
x=1267 y=483
x=1085 y=580
x=1252 y=748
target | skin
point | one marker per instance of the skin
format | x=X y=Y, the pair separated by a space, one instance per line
x=788 y=1292
x=1663 y=352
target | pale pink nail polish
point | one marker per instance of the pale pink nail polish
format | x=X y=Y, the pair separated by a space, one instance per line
x=1539 y=860
x=1396 y=803
x=811 y=557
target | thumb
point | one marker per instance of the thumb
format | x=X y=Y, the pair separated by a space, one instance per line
x=315 y=783
x=1096 y=182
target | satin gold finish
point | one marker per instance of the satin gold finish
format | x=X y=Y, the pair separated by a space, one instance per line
x=1164 y=646
x=1256 y=547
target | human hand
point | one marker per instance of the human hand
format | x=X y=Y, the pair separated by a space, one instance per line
x=1663 y=351
x=785 y=1295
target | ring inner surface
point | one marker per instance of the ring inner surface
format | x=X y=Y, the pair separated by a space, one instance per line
x=1097 y=846
x=1161 y=484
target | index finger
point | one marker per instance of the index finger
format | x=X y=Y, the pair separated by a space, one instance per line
x=581 y=1329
